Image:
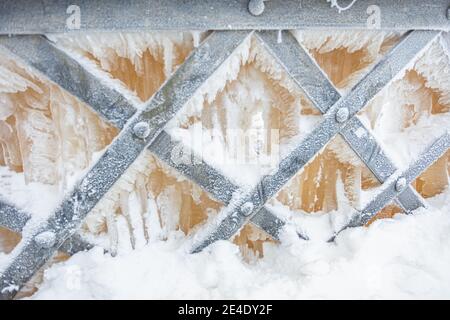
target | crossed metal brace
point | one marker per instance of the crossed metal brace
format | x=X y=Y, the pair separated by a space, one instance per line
x=339 y=117
x=140 y=131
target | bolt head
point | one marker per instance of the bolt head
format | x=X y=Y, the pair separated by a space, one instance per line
x=141 y=130
x=247 y=209
x=400 y=184
x=46 y=239
x=342 y=115
x=256 y=7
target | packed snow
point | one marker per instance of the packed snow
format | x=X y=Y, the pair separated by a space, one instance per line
x=405 y=257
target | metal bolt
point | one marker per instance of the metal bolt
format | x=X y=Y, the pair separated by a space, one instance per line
x=342 y=115
x=247 y=209
x=400 y=185
x=256 y=7
x=141 y=130
x=46 y=239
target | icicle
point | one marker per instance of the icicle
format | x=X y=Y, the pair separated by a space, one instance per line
x=341 y=199
x=280 y=36
x=112 y=232
x=168 y=57
x=125 y=210
x=141 y=191
x=196 y=38
x=10 y=146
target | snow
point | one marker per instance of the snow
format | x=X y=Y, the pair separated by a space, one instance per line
x=405 y=257
x=28 y=197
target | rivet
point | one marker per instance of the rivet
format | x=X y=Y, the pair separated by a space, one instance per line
x=256 y=7
x=400 y=184
x=342 y=115
x=46 y=239
x=141 y=130
x=247 y=209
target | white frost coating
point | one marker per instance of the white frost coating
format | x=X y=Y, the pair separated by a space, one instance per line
x=102 y=75
x=434 y=65
x=227 y=72
x=403 y=116
x=28 y=197
x=11 y=82
x=327 y=41
x=357 y=266
x=364 y=263
x=126 y=45
x=373 y=43
x=240 y=89
x=16 y=75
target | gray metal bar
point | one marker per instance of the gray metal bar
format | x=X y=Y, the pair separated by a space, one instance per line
x=243 y=208
x=141 y=130
x=312 y=80
x=11 y=217
x=75 y=244
x=371 y=153
x=212 y=181
x=395 y=185
x=301 y=67
x=67 y=73
x=204 y=175
x=40 y=17
x=15 y=220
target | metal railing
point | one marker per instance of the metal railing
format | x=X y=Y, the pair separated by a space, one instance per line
x=142 y=127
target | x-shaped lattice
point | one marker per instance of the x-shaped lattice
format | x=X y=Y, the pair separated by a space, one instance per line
x=143 y=127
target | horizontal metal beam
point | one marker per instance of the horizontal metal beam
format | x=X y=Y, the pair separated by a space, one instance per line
x=305 y=72
x=248 y=203
x=40 y=17
x=15 y=220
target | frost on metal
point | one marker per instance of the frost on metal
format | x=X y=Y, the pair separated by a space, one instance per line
x=325 y=95
x=390 y=188
x=23 y=17
x=124 y=150
x=120 y=180
x=233 y=218
x=15 y=220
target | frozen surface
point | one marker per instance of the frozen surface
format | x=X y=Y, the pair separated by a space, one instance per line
x=403 y=257
x=37 y=198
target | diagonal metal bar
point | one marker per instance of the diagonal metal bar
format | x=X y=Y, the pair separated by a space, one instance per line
x=305 y=72
x=141 y=130
x=243 y=208
x=212 y=181
x=11 y=217
x=15 y=220
x=394 y=186
x=65 y=71
x=370 y=152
